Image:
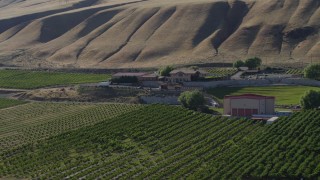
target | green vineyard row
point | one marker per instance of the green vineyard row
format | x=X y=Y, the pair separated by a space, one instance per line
x=161 y=142
x=5 y=103
x=34 y=121
x=23 y=79
x=223 y=72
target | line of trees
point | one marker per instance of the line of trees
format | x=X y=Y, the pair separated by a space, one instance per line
x=125 y=79
x=251 y=63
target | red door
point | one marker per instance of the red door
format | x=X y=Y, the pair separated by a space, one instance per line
x=254 y=111
x=241 y=112
x=234 y=112
x=248 y=112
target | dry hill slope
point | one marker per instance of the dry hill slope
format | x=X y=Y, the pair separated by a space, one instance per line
x=145 y=33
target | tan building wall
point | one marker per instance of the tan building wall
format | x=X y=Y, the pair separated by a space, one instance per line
x=179 y=77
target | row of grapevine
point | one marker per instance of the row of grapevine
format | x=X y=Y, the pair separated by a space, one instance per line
x=295 y=71
x=34 y=121
x=160 y=142
x=286 y=149
x=23 y=79
x=5 y=103
x=151 y=142
x=222 y=72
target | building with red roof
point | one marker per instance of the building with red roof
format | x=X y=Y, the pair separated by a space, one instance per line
x=246 y=105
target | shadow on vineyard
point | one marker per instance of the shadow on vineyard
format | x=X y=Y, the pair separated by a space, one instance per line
x=5 y=103
x=160 y=141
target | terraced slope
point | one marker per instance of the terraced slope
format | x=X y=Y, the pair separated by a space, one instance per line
x=149 y=33
x=156 y=142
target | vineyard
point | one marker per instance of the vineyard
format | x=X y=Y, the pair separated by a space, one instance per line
x=222 y=72
x=34 y=121
x=160 y=142
x=23 y=79
x=5 y=103
x=288 y=149
x=295 y=71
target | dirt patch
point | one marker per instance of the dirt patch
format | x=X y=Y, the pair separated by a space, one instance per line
x=50 y=94
x=81 y=94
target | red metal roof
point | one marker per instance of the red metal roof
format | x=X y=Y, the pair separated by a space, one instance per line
x=249 y=96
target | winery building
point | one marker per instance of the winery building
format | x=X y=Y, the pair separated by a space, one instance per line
x=248 y=104
x=185 y=75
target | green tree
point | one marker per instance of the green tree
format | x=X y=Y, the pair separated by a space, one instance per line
x=253 y=63
x=194 y=68
x=192 y=99
x=238 y=64
x=310 y=100
x=165 y=71
x=125 y=79
x=312 y=71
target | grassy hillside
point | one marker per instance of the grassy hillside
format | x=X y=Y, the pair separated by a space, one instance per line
x=171 y=142
x=24 y=79
x=86 y=33
x=285 y=95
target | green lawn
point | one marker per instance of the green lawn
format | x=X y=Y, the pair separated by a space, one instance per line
x=5 y=103
x=285 y=95
x=23 y=79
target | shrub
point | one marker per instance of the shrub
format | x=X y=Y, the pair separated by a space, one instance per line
x=165 y=71
x=194 y=68
x=310 y=100
x=238 y=64
x=253 y=63
x=192 y=99
x=312 y=71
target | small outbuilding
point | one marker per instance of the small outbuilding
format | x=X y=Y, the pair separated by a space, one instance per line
x=247 y=105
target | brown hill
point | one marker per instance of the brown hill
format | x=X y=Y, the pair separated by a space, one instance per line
x=149 y=33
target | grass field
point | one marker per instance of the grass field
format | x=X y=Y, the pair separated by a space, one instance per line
x=285 y=95
x=155 y=142
x=5 y=103
x=23 y=79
